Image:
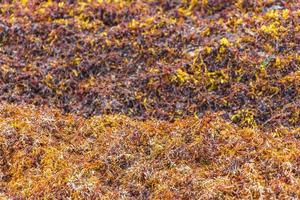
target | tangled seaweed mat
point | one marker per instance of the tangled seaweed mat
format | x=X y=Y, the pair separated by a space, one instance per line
x=163 y=99
x=46 y=154
x=155 y=59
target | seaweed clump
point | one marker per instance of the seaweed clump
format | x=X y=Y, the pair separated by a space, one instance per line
x=45 y=154
x=158 y=99
x=153 y=59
